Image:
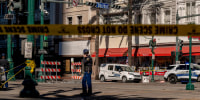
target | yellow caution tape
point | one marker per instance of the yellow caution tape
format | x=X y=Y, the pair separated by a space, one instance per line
x=160 y=30
x=11 y=69
x=11 y=78
x=31 y=64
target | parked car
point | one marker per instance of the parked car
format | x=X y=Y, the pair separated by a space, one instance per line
x=118 y=72
x=180 y=72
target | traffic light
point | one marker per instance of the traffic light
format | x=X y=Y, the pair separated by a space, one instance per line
x=45 y=37
x=152 y=43
x=45 y=42
x=181 y=44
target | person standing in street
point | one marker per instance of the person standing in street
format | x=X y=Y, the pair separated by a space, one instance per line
x=87 y=70
x=4 y=63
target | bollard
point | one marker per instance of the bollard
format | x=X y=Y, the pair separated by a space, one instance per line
x=29 y=85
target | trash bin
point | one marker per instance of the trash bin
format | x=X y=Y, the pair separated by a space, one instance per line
x=145 y=78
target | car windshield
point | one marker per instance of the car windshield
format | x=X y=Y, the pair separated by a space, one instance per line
x=126 y=68
x=170 y=67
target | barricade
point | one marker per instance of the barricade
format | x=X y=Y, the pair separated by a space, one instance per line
x=156 y=72
x=49 y=70
x=76 y=70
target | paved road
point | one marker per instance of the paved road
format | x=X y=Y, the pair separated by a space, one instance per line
x=71 y=90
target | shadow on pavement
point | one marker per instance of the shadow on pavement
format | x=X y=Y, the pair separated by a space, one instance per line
x=59 y=91
x=7 y=89
x=94 y=96
x=107 y=97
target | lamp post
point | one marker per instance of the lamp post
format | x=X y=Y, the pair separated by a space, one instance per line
x=152 y=61
x=29 y=89
x=41 y=42
x=189 y=86
x=9 y=47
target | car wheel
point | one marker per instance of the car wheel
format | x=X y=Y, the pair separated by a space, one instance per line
x=198 y=78
x=124 y=79
x=102 y=78
x=172 y=79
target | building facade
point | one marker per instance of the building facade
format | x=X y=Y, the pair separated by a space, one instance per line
x=71 y=46
x=150 y=12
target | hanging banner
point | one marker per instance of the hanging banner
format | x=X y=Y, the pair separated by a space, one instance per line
x=157 y=30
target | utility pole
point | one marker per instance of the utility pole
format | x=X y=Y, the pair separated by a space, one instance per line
x=130 y=37
x=97 y=46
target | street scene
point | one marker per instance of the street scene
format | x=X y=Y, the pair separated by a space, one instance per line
x=100 y=49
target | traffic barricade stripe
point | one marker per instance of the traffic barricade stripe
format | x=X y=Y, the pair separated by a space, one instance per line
x=50 y=62
x=50 y=77
x=50 y=70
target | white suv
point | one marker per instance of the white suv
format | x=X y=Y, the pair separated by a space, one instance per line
x=118 y=72
x=180 y=72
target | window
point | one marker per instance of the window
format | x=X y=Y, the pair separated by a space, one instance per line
x=110 y=67
x=79 y=19
x=70 y=20
x=183 y=67
x=117 y=68
x=190 y=9
x=70 y=3
x=170 y=67
x=80 y=1
x=70 y=23
x=167 y=17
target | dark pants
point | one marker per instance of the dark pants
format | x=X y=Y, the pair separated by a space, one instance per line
x=6 y=73
x=87 y=78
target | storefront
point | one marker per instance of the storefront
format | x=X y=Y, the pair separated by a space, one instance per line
x=163 y=57
x=72 y=50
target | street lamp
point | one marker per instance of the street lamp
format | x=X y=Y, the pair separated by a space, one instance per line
x=29 y=84
x=41 y=41
x=189 y=86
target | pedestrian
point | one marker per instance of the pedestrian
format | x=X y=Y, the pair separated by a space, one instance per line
x=4 y=63
x=87 y=70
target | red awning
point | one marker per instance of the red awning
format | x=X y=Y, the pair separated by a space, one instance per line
x=166 y=51
x=159 y=51
x=111 y=52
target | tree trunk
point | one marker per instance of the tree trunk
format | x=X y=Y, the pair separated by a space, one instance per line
x=97 y=47
x=130 y=37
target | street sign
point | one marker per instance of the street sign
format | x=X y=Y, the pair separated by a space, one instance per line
x=45 y=44
x=102 y=5
x=9 y=16
x=23 y=46
x=75 y=3
x=28 y=50
x=42 y=51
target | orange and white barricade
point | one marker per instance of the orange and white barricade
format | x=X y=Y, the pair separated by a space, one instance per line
x=76 y=70
x=50 y=70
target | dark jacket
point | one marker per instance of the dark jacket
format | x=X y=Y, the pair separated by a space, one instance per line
x=4 y=63
x=87 y=64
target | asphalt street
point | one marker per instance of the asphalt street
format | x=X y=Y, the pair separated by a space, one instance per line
x=70 y=90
